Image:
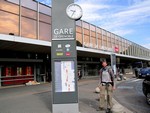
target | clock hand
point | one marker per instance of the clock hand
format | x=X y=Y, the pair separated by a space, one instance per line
x=72 y=10
x=73 y=13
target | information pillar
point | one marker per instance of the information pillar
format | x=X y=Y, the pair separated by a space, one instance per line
x=64 y=60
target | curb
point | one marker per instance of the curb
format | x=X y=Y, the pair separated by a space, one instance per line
x=118 y=108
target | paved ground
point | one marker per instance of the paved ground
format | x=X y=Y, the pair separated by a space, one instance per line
x=37 y=99
x=130 y=94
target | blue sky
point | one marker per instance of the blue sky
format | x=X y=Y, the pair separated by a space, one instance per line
x=127 y=18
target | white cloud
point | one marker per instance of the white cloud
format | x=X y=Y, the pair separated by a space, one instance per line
x=116 y=18
x=147 y=45
x=147 y=39
x=91 y=9
x=134 y=13
x=122 y=32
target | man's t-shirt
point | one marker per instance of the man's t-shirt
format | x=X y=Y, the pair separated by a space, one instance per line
x=106 y=76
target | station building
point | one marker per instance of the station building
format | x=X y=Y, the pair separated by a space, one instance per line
x=25 y=44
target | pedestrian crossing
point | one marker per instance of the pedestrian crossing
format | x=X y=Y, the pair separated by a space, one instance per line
x=127 y=86
x=133 y=80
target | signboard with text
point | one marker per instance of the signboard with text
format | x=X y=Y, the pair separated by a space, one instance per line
x=63 y=33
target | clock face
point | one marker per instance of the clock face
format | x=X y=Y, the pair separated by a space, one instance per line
x=74 y=11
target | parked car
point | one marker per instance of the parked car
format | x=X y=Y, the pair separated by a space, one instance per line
x=143 y=72
x=146 y=88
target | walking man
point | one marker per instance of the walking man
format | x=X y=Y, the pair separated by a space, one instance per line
x=106 y=85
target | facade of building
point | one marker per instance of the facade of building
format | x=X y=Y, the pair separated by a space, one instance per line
x=25 y=44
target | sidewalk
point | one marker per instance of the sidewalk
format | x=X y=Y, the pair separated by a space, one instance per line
x=93 y=103
x=37 y=99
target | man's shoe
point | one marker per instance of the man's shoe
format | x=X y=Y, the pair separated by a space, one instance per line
x=108 y=110
x=100 y=109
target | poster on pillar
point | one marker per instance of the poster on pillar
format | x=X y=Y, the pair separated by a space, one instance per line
x=65 y=76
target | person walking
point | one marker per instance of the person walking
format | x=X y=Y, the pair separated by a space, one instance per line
x=106 y=85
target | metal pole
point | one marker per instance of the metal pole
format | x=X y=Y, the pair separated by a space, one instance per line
x=20 y=29
x=38 y=20
x=0 y=77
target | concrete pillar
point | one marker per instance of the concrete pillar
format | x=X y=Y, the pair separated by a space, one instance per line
x=0 y=75
x=113 y=62
x=34 y=72
x=82 y=70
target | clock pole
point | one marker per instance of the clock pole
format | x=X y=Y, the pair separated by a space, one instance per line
x=64 y=57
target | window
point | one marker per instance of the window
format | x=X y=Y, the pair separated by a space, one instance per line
x=78 y=22
x=29 y=70
x=45 y=31
x=92 y=28
x=19 y=71
x=109 y=42
x=78 y=29
x=79 y=39
x=8 y=71
x=104 y=42
x=99 y=43
x=9 y=23
x=109 y=45
x=93 y=43
x=28 y=13
x=86 y=41
x=44 y=18
x=9 y=7
x=98 y=30
x=85 y=25
x=93 y=34
x=86 y=32
x=99 y=36
x=29 y=27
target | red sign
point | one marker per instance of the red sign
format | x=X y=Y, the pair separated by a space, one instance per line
x=68 y=54
x=116 y=49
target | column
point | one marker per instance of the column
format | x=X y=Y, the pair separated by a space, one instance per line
x=0 y=76
x=34 y=72
x=82 y=70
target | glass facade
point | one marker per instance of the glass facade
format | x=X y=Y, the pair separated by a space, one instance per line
x=33 y=20
x=94 y=37
x=28 y=21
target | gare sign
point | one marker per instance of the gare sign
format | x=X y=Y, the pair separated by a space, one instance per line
x=63 y=33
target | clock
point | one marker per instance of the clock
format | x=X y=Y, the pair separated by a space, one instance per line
x=74 y=11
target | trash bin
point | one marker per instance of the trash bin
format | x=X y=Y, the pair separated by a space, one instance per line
x=121 y=76
x=44 y=78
